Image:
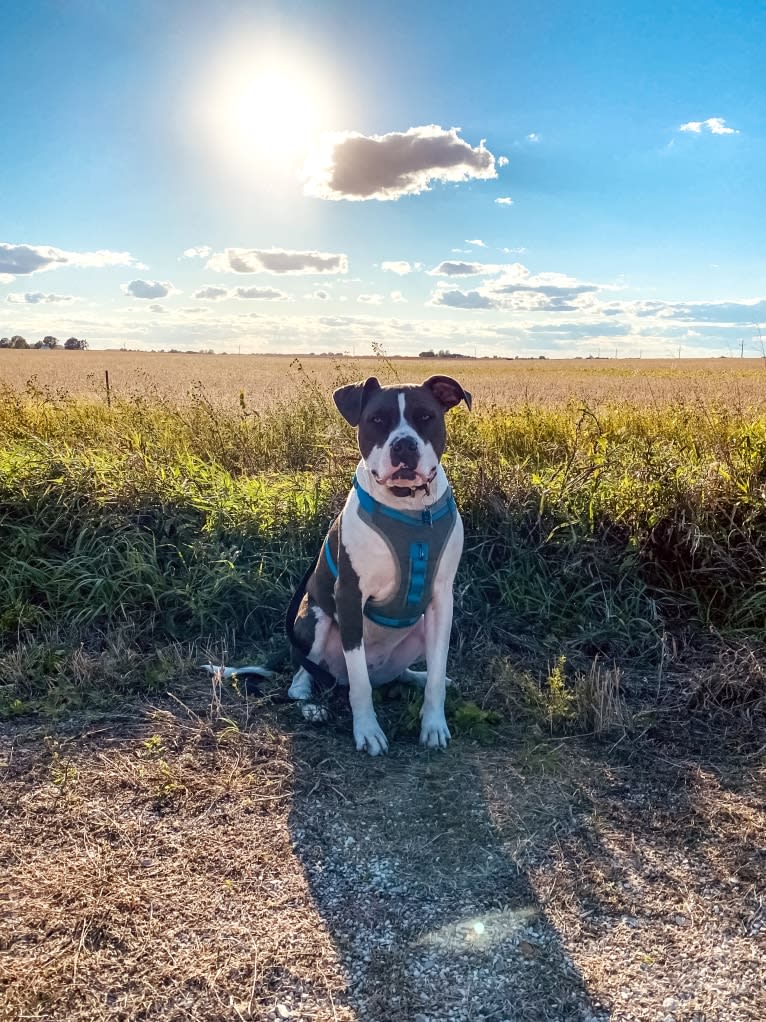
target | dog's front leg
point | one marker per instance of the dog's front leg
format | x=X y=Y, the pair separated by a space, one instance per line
x=349 y=603
x=434 y=733
x=367 y=732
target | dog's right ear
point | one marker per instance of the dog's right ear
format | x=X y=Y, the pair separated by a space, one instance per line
x=351 y=400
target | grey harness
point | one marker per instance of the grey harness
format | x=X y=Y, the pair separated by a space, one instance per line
x=416 y=540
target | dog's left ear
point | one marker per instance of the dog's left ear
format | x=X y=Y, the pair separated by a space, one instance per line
x=351 y=400
x=447 y=391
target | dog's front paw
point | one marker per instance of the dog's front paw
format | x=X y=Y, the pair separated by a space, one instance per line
x=434 y=733
x=369 y=736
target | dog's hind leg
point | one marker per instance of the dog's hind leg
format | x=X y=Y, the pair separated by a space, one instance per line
x=417 y=678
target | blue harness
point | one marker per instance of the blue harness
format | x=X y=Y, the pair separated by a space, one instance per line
x=416 y=540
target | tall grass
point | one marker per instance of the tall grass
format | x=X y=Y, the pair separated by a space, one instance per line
x=588 y=532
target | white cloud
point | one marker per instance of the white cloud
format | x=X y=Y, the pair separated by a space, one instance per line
x=515 y=288
x=476 y=242
x=504 y=200
x=514 y=251
x=200 y=252
x=159 y=310
x=397 y=297
x=503 y=161
x=149 y=289
x=533 y=137
x=38 y=298
x=384 y=167
x=715 y=125
x=319 y=296
x=373 y=299
x=456 y=299
x=747 y=312
x=277 y=260
x=400 y=266
x=20 y=260
x=262 y=294
x=454 y=268
x=211 y=293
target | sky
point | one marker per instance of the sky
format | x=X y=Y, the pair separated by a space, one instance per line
x=514 y=179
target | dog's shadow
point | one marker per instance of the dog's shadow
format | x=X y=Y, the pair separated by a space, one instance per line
x=430 y=913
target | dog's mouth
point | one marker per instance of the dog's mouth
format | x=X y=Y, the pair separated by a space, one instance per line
x=404 y=481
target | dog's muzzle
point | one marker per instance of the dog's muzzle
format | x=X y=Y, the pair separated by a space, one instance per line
x=404 y=452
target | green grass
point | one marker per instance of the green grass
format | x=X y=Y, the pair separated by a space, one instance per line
x=136 y=528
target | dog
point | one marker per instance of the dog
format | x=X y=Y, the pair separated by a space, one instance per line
x=379 y=596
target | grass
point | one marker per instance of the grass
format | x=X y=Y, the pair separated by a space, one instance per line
x=615 y=531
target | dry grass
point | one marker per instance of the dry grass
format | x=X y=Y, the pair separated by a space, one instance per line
x=266 y=379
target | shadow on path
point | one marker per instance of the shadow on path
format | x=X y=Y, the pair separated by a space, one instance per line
x=432 y=916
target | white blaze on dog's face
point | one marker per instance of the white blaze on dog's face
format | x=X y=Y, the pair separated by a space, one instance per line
x=401 y=428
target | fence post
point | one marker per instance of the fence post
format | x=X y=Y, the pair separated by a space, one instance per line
x=108 y=392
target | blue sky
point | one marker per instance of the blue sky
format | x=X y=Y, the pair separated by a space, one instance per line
x=312 y=177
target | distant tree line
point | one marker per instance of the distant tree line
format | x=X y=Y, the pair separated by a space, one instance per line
x=50 y=342
x=441 y=353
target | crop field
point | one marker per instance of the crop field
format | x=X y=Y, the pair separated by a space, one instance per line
x=593 y=844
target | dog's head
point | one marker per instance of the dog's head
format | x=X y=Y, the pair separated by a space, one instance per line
x=401 y=429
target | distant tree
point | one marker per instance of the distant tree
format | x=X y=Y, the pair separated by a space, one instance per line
x=5 y=342
x=426 y=354
x=17 y=341
x=75 y=344
x=50 y=342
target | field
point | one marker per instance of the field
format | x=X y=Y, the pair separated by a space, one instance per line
x=592 y=845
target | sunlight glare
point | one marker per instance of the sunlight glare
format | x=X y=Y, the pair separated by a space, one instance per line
x=268 y=111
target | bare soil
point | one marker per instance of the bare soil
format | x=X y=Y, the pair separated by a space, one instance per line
x=201 y=862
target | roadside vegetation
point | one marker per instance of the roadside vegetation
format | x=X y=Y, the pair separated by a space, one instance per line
x=623 y=533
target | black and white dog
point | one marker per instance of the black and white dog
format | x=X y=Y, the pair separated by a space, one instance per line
x=379 y=597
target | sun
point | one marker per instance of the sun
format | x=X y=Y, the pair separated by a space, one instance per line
x=274 y=107
x=267 y=109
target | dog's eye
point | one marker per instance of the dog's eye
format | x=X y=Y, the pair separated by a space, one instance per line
x=377 y=419
x=425 y=417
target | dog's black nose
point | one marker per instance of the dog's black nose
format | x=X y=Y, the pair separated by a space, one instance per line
x=404 y=451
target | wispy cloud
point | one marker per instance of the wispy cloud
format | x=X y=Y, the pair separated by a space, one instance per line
x=533 y=137
x=715 y=125
x=277 y=260
x=372 y=299
x=38 y=298
x=385 y=167
x=400 y=266
x=504 y=200
x=20 y=260
x=476 y=242
x=146 y=289
x=454 y=268
x=210 y=293
x=199 y=252
x=397 y=297
x=457 y=299
x=262 y=294
x=514 y=288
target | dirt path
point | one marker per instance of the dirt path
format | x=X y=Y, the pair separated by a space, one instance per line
x=162 y=866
